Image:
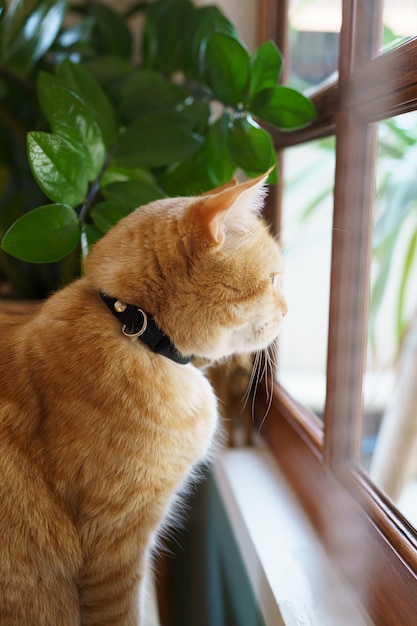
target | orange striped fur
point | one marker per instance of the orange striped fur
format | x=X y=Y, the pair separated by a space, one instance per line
x=98 y=433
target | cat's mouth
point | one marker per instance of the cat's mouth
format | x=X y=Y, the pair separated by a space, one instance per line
x=252 y=338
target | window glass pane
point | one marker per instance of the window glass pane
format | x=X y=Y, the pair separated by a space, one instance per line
x=306 y=239
x=389 y=443
x=314 y=41
x=400 y=22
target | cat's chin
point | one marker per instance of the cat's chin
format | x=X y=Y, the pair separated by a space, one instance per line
x=215 y=355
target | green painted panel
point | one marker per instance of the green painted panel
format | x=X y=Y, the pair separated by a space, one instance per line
x=211 y=587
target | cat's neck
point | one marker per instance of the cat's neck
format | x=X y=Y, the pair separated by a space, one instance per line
x=137 y=323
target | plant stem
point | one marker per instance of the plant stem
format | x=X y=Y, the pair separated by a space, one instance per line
x=94 y=187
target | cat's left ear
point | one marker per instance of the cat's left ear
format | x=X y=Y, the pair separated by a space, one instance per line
x=232 y=207
x=212 y=192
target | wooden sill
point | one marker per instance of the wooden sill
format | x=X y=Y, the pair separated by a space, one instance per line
x=372 y=544
x=289 y=571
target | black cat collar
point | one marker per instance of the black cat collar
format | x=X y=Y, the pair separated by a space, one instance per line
x=138 y=323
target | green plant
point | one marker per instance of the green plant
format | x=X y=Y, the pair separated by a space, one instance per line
x=395 y=230
x=394 y=245
x=86 y=127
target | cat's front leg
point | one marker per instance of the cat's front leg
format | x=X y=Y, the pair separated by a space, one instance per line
x=109 y=586
x=109 y=594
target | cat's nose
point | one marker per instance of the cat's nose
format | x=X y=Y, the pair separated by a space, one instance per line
x=284 y=307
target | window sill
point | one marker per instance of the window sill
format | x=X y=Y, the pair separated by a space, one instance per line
x=293 y=579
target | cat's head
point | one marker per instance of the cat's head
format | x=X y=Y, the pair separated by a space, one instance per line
x=205 y=267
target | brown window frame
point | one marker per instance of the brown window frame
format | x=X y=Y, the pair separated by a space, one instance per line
x=320 y=462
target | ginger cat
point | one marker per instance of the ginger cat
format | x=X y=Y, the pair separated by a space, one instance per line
x=99 y=428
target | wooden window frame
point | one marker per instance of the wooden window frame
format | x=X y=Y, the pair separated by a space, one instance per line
x=321 y=462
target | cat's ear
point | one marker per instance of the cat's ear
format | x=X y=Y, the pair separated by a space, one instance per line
x=211 y=192
x=232 y=207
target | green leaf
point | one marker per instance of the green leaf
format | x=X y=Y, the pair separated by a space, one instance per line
x=283 y=107
x=202 y=23
x=250 y=146
x=156 y=140
x=79 y=33
x=226 y=68
x=71 y=118
x=131 y=193
x=266 y=65
x=383 y=256
x=401 y=195
x=108 y=69
x=45 y=235
x=190 y=177
x=57 y=168
x=145 y=91
x=115 y=173
x=165 y=29
x=105 y=215
x=111 y=31
x=409 y=263
x=198 y=112
x=220 y=163
x=79 y=80
x=28 y=30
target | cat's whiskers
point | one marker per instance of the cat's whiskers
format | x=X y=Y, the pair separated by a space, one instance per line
x=264 y=367
x=251 y=383
x=269 y=376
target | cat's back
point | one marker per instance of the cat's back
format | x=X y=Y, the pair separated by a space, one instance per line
x=15 y=317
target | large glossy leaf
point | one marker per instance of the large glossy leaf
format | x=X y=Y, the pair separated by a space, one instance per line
x=145 y=91
x=131 y=193
x=190 y=177
x=157 y=140
x=220 y=163
x=165 y=30
x=198 y=112
x=202 y=23
x=115 y=173
x=45 y=235
x=57 y=168
x=80 y=80
x=108 y=69
x=28 y=30
x=71 y=118
x=266 y=64
x=112 y=33
x=283 y=107
x=250 y=145
x=226 y=68
x=105 y=215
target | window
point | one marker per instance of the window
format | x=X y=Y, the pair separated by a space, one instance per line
x=360 y=98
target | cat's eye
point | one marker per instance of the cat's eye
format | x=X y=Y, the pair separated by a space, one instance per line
x=272 y=278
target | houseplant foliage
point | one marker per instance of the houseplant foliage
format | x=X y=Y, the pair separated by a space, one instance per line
x=87 y=134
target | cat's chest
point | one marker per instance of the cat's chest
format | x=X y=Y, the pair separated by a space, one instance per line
x=142 y=419
x=162 y=425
